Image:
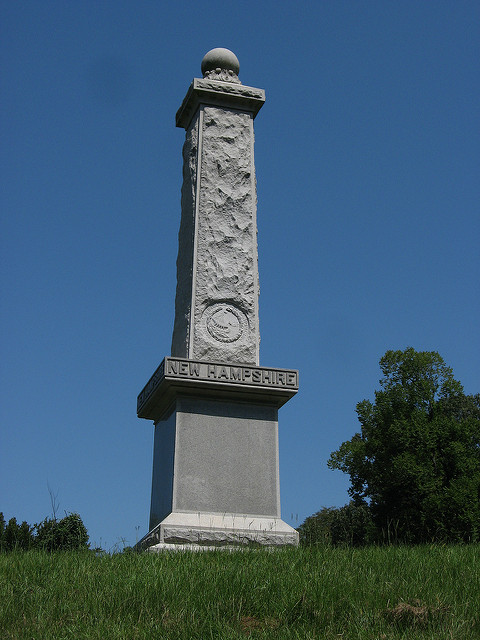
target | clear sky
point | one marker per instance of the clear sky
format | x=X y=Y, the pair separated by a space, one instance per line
x=368 y=160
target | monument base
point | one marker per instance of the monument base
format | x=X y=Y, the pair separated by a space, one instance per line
x=215 y=465
x=192 y=531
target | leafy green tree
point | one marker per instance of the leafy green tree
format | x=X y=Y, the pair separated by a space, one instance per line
x=416 y=459
x=15 y=536
x=51 y=534
x=350 y=525
x=316 y=530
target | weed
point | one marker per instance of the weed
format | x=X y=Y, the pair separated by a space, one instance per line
x=407 y=614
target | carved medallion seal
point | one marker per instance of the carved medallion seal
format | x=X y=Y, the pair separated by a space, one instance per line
x=224 y=322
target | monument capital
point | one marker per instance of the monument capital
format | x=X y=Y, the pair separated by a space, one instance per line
x=218 y=93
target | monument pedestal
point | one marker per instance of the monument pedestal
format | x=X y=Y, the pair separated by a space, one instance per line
x=215 y=467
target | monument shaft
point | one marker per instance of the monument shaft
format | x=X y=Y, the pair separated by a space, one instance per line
x=216 y=306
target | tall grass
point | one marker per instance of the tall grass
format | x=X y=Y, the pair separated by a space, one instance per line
x=376 y=593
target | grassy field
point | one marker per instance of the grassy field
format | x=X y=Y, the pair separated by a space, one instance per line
x=376 y=593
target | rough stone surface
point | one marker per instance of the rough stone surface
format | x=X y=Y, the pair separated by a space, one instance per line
x=166 y=546
x=203 y=530
x=186 y=241
x=218 y=275
x=219 y=537
x=212 y=85
x=217 y=92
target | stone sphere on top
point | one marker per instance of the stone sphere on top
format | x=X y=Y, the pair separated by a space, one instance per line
x=220 y=59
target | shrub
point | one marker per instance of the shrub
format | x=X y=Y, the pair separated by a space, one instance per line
x=14 y=535
x=66 y=534
x=350 y=525
x=316 y=530
x=51 y=534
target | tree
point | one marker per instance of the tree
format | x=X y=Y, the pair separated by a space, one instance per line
x=51 y=534
x=15 y=536
x=416 y=460
x=349 y=525
x=316 y=530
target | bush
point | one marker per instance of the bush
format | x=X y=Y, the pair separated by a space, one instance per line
x=66 y=534
x=15 y=536
x=316 y=530
x=350 y=525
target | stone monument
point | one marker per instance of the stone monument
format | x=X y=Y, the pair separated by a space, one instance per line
x=215 y=462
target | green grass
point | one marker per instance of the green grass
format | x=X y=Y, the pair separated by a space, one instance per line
x=376 y=593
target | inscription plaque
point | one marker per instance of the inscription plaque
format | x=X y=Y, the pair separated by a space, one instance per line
x=218 y=372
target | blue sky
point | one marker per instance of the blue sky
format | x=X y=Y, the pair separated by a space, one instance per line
x=367 y=159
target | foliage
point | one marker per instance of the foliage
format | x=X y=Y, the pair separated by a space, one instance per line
x=51 y=534
x=393 y=592
x=66 y=534
x=352 y=525
x=416 y=459
x=316 y=530
x=15 y=536
x=348 y=525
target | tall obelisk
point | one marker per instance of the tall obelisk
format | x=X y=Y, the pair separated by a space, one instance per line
x=215 y=467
